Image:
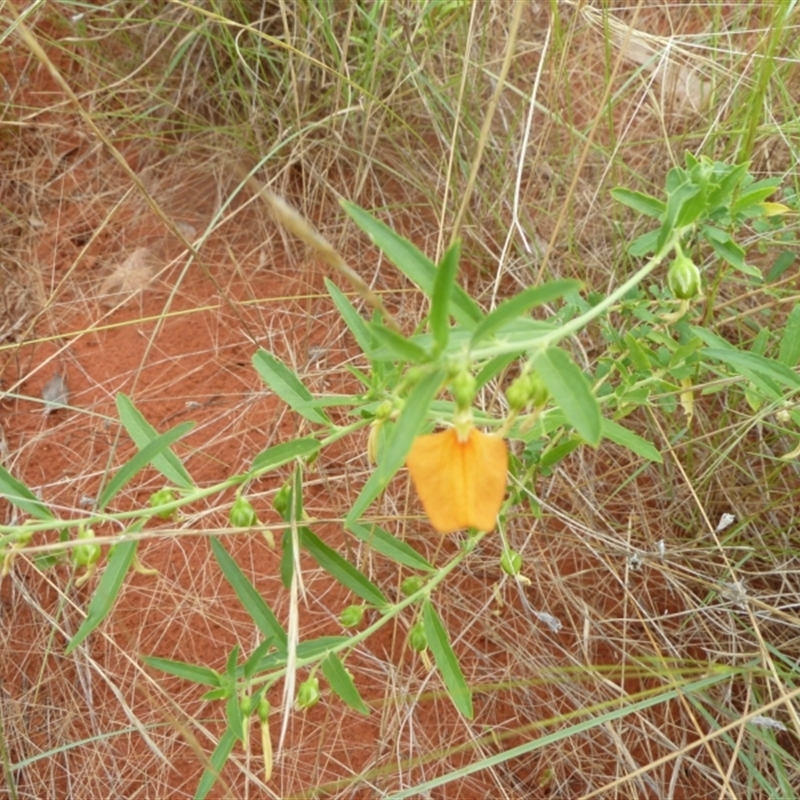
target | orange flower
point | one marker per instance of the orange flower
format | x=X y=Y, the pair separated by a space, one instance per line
x=461 y=483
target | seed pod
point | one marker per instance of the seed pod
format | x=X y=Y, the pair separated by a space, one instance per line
x=411 y=585
x=86 y=553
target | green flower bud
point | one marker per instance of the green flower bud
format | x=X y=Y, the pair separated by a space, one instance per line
x=282 y=498
x=511 y=562
x=384 y=410
x=683 y=278
x=417 y=638
x=463 y=388
x=87 y=553
x=160 y=498
x=539 y=393
x=263 y=709
x=351 y=616
x=246 y=705
x=411 y=585
x=308 y=693
x=242 y=514
x=518 y=394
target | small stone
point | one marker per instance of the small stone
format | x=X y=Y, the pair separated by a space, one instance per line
x=55 y=393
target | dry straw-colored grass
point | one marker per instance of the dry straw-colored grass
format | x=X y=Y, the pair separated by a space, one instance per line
x=132 y=260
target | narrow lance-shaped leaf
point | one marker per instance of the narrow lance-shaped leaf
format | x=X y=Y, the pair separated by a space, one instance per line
x=570 y=389
x=413 y=264
x=342 y=570
x=342 y=683
x=180 y=669
x=215 y=764
x=147 y=454
x=358 y=327
x=108 y=588
x=440 y=300
x=253 y=602
x=516 y=306
x=142 y=433
x=409 y=424
x=288 y=387
x=22 y=497
x=446 y=660
x=283 y=453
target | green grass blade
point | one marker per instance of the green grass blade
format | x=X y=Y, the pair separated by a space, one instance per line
x=446 y=660
x=342 y=570
x=105 y=595
x=341 y=682
x=251 y=600
x=147 y=454
x=288 y=387
x=142 y=433
x=789 y=352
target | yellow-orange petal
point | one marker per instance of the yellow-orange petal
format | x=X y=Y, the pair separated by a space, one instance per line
x=461 y=484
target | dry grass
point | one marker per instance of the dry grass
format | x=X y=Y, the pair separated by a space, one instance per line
x=133 y=261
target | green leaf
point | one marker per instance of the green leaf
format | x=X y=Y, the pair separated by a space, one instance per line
x=676 y=200
x=253 y=602
x=351 y=317
x=446 y=660
x=105 y=595
x=413 y=264
x=397 y=346
x=571 y=391
x=756 y=368
x=145 y=456
x=342 y=570
x=234 y=716
x=409 y=424
x=282 y=454
x=22 y=497
x=443 y=285
x=180 y=669
x=342 y=683
x=641 y=203
x=644 y=244
x=789 y=352
x=755 y=194
x=142 y=433
x=216 y=764
x=630 y=440
x=311 y=648
x=381 y=541
x=781 y=264
x=519 y=304
x=729 y=251
x=288 y=387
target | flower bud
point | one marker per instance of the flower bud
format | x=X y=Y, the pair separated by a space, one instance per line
x=308 y=693
x=463 y=388
x=511 y=562
x=160 y=498
x=683 y=277
x=242 y=514
x=87 y=553
x=281 y=500
x=411 y=585
x=351 y=616
x=417 y=639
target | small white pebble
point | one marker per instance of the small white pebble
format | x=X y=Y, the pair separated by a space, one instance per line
x=55 y=393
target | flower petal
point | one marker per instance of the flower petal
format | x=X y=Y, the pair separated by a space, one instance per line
x=461 y=484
